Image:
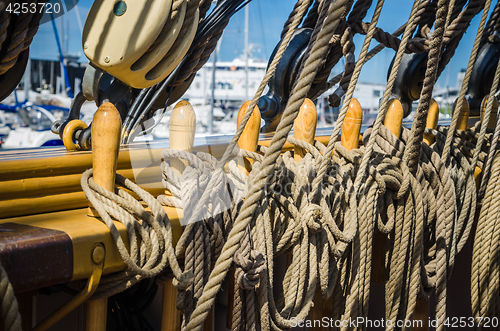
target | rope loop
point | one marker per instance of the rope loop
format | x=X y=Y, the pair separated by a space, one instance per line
x=150 y=234
x=252 y=267
x=312 y=217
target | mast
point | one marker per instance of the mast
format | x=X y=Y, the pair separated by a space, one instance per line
x=27 y=80
x=247 y=14
x=212 y=100
x=62 y=60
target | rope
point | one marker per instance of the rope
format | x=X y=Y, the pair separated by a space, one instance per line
x=485 y=244
x=25 y=28
x=10 y=310
x=324 y=210
x=335 y=11
x=150 y=239
x=465 y=82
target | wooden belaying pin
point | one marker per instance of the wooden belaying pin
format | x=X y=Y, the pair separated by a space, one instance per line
x=349 y=134
x=106 y=129
x=393 y=121
x=422 y=307
x=182 y=129
x=248 y=141
x=494 y=110
x=304 y=127
x=463 y=118
x=491 y=124
x=432 y=122
x=349 y=137
x=394 y=117
x=250 y=136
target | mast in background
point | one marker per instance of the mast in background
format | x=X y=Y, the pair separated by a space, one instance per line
x=62 y=60
x=27 y=80
x=247 y=14
x=212 y=99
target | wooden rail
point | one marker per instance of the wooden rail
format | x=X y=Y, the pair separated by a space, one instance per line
x=40 y=189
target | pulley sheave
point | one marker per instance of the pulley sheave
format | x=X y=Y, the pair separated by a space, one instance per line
x=129 y=39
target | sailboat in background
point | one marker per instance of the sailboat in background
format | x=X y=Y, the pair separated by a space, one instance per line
x=28 y=123
x=216 y=95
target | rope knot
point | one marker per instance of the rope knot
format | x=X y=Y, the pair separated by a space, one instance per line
x=252 y=268
x=312 y=217
x=183 y=282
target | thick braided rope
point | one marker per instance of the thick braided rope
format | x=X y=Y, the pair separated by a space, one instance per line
x=335 y=11
x=350 y=92
x=487 y=168
x=10 y=310
x=492 y=22
x=419 y=45
x=232 y=145
x=412 y=152
x=369 y=56
x=312 y=15
x=385 y=100
x=17 y=40
x=485 y=251
x=297 y=9
x=485 y=229
x=465 y=82
x=155 y=232
x=424 y=11
x=200 y=55
x=487 y=114
x=359 y=11
x=405 y=233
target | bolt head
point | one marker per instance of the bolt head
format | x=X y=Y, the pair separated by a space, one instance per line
x=98 y=254
x=120 y=8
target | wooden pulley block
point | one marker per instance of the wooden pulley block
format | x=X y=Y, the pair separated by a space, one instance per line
x=127 y=39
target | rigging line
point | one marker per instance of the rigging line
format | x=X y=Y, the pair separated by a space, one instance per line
x=465 y=83
x=385 y=100
x=222 y=12
x=262 y=30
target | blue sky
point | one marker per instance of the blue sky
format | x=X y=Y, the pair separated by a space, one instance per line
x=266 y=21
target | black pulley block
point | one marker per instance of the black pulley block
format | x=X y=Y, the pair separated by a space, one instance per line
x=10 y=79
x=409 y=79
x=280 y=85
x=481 y=78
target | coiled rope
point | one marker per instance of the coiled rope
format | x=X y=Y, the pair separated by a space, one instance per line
x=422 y=197
x=25 y=26
x=10 y=310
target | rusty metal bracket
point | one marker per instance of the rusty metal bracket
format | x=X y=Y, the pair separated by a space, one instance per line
x=98 y=255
